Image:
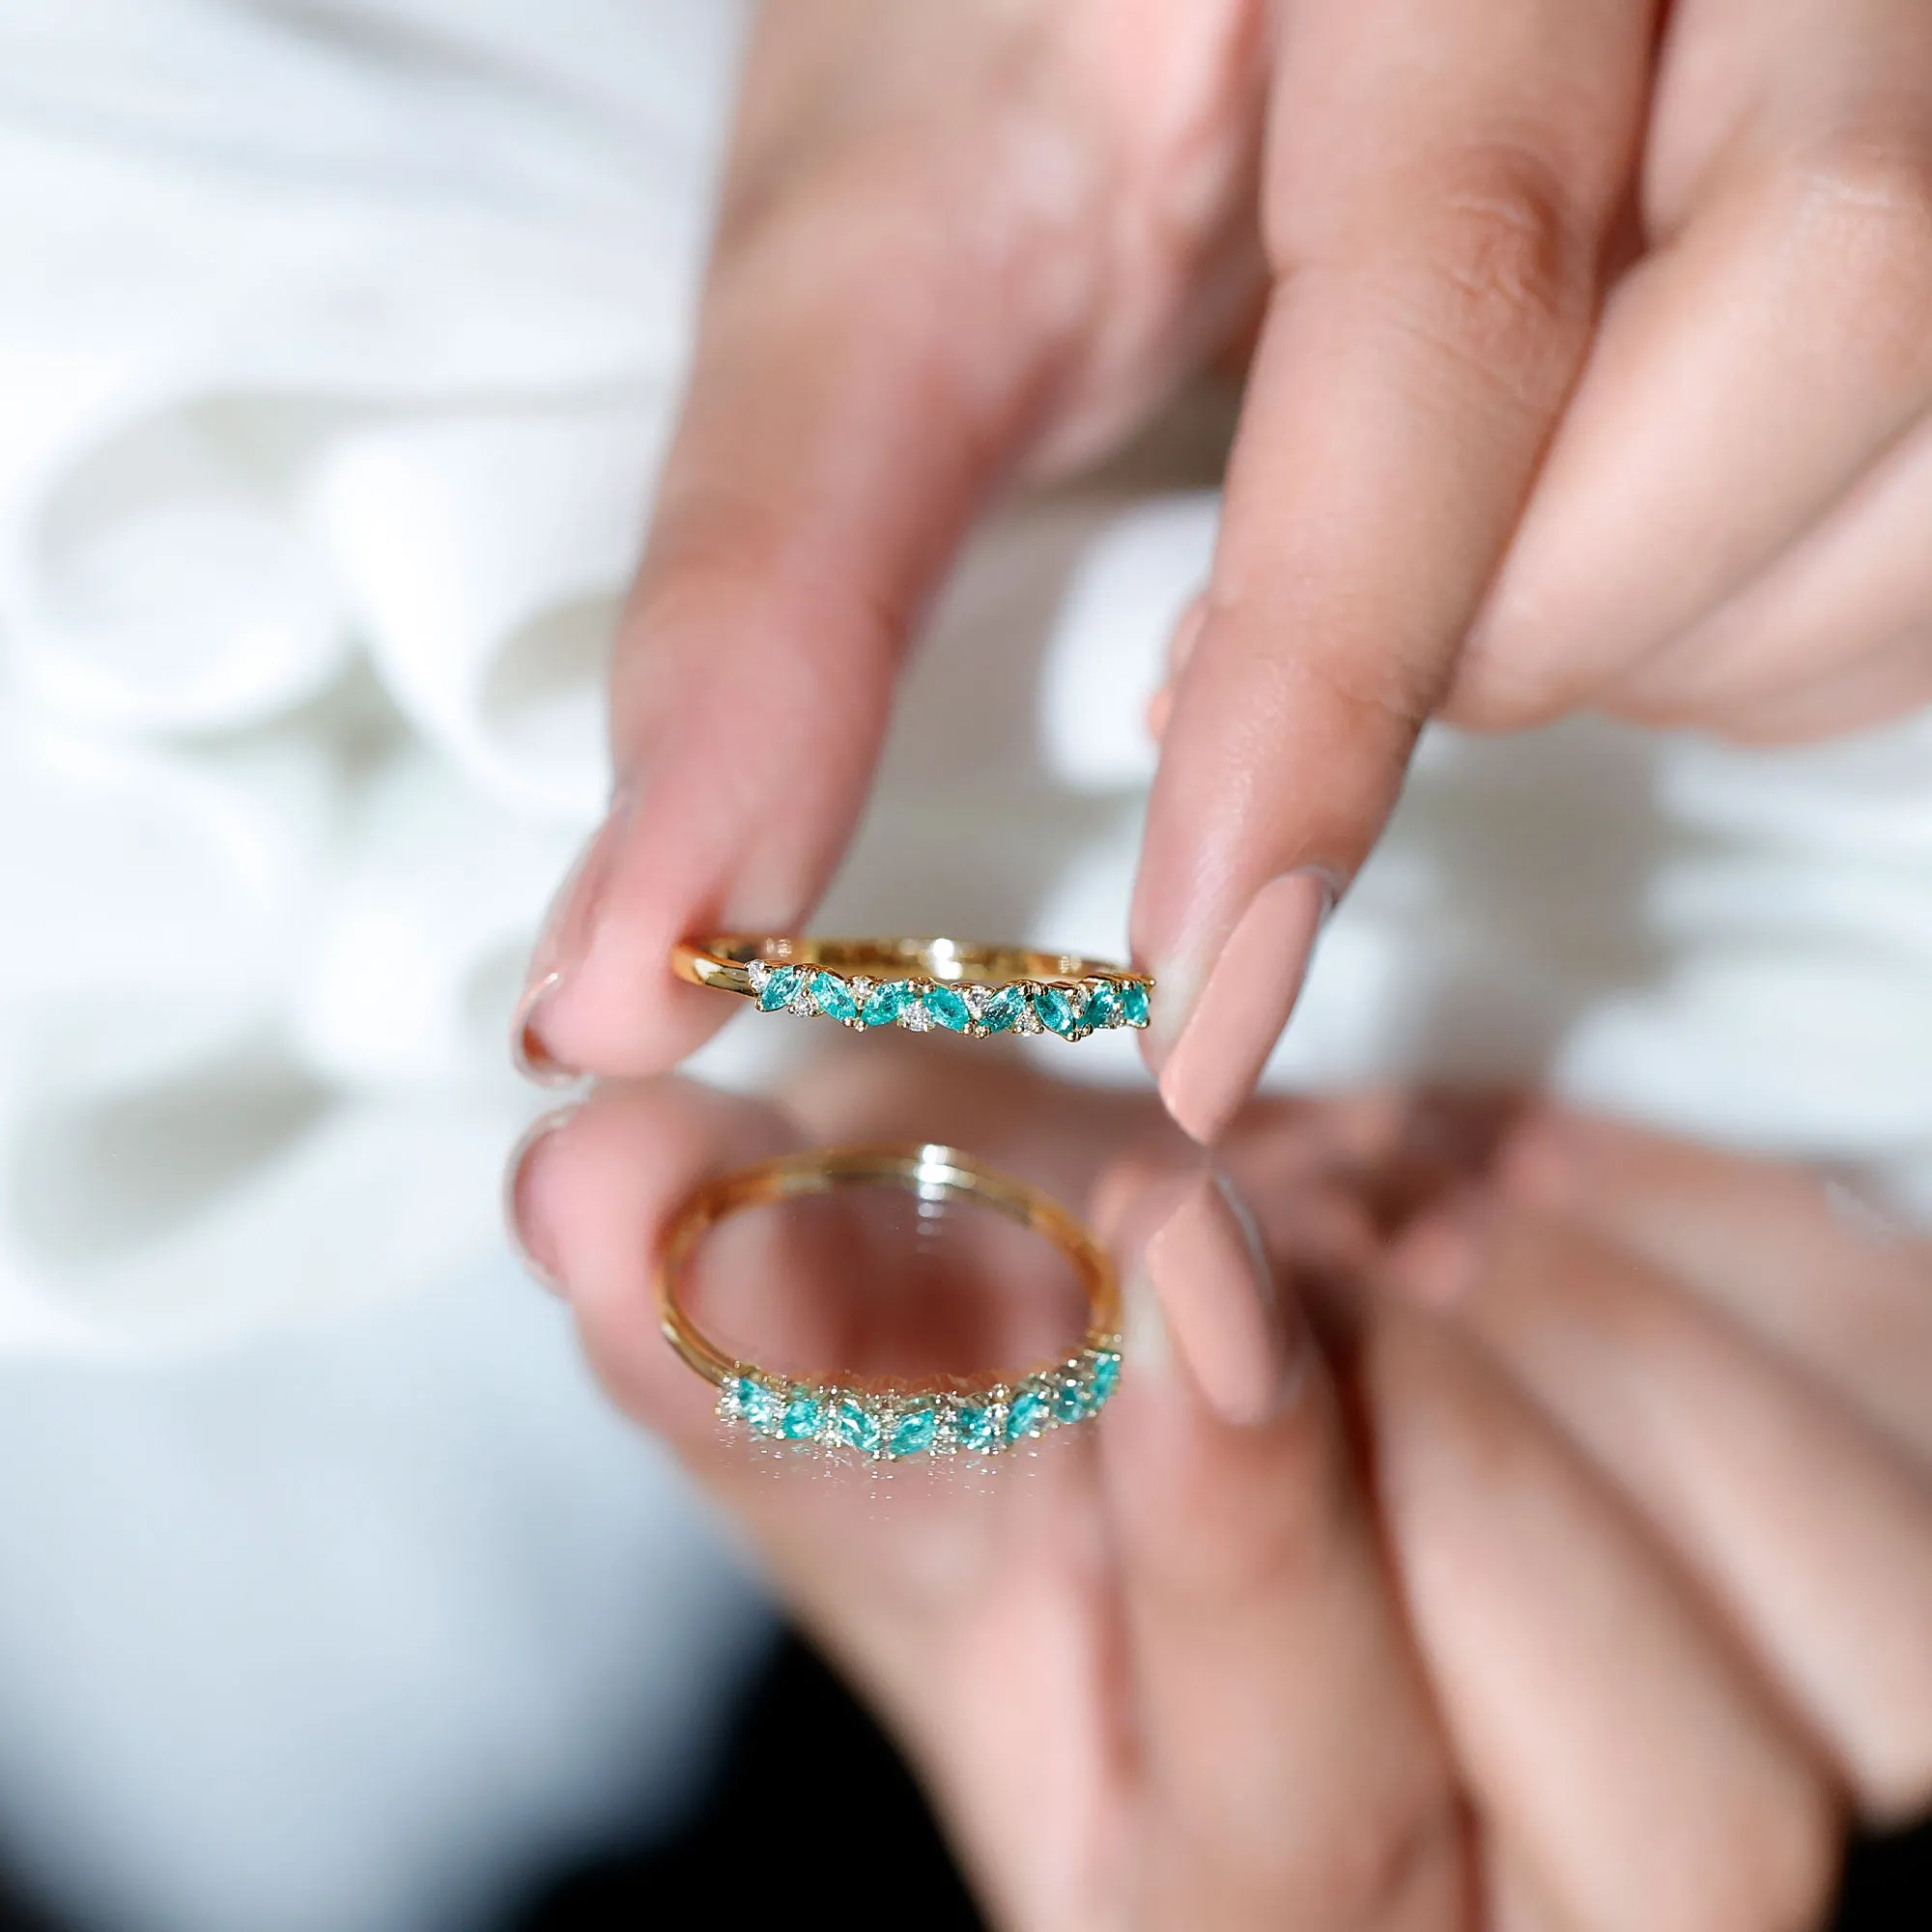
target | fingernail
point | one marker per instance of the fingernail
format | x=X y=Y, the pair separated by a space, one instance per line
x=1225 y=1032
x=560 y=947
x=1160 y=708
x=1216 y=1297
x=523 y=1219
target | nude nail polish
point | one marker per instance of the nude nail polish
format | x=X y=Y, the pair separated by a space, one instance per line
x=1243 y=1343
x=1224 y=1036
x=562 y=944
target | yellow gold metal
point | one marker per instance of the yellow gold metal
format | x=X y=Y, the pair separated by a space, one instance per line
x=957 y=986
x=1078 y=1384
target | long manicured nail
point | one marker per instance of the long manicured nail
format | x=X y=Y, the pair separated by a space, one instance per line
x=1243 y=1343
x=560 y=947
x=530 y=1237
x=1225 y=1032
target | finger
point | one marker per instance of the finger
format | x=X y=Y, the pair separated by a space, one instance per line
x=1437 y=198
x=588 y=1195
x=1839 y=601
x=1610 y=1739
x=1813 y=1538
x=1769 y=1245
x=1887 y=684
x=880 y=315
x=1746 y=375
x=1292 y=1771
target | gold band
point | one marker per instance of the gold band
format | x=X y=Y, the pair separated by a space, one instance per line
x=960 y=986
x=942 y=1417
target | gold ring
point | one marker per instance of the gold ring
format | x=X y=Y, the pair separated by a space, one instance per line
x=920 y=983
x=940 y=1417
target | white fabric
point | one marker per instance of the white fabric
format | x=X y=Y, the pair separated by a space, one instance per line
x=337 y=341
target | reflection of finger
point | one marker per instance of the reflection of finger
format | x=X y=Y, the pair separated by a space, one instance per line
x=1758 y=1240
x=1604 y=1732
x=1811 y=1536
x=1292 y=1773
x=591 y=1198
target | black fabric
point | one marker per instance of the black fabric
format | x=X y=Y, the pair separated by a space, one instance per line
x=815 y=1813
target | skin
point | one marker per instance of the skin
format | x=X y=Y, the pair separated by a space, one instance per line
x=1590 y=370
x=1420 y=1631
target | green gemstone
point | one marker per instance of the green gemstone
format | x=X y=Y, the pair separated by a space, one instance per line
x=833 y=997
x=1059 y=1009
x=781 y=983
x=976 y=1425
x=752 y=1403
x=803 y=1415
x=946 y=1006
x=1107 y=1376
x=885 y=1002
x=1134 y=1003
x=914 y=1432
x=1030 y=1413
x=1104 y=1005
x=1069 y=1400
x=1005 y=1009
x=855 y=1425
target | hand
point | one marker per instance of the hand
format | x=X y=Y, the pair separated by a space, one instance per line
x=1591 y=371
x=1194 y=1666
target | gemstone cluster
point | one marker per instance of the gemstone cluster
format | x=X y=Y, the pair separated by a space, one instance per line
x=1072 y=1009
x=895 y=1425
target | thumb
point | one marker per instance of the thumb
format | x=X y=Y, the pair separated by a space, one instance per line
x=867 y=364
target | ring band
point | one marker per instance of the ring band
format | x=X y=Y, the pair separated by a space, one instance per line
x=942 y=1417
x=921 y=983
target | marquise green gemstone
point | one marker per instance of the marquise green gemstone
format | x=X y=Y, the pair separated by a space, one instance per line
x=1029 y=1414
x=803 y=1415
x=781 y=983
x=1104 y=1005
x=1069 y=1400
x=1107 y=1376
x=914 y=1432
x=947 y=1007
x=976 y=1425
x=1059 y=1009
x=833 y=997
x=1134 y=1003
x=855 y=1425
x=885 y=1002
x=1003 y=1011
x=752 y=1403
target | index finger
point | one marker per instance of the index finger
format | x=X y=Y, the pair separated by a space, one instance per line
x=1440 y=184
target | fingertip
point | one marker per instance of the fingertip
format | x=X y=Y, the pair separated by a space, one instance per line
x=528 y=1215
